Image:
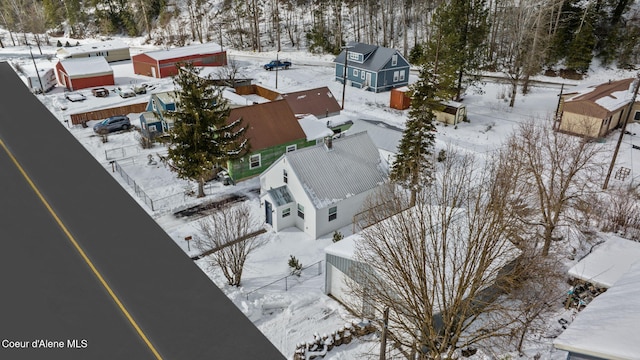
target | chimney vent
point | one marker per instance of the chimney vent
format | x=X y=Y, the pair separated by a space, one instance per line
x=328 y=142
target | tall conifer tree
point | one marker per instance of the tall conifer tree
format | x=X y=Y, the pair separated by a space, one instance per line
x=203 y=138
x=413 y=166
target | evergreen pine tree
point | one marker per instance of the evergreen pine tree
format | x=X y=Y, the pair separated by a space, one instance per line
x=581 y=50
x=462 y=30
x=203 y=138
x=413 y=165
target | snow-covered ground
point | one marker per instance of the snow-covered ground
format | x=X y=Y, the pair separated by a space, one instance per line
x=291 y=316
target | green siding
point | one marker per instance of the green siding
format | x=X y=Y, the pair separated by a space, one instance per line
x=239 y=170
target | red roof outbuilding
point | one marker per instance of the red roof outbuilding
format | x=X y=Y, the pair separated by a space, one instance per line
x=83 y=73
x=162 y=63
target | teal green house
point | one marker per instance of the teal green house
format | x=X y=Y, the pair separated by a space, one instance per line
x=272 y=130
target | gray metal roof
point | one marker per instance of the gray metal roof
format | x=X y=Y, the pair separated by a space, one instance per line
x=351 y=167
x=384 y=136
x=280 y=196
x=375 y=62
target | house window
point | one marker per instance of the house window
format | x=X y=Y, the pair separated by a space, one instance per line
x=355 y=72
x=395 y=76
x=286 y=212
x=153 y=128
x=333 y=213
x=636 y=117
x=354 y=56
x=300 y=211
x=402 y=75
x=362 y=74
x=254 y=161
x=291 y=148
x=394 y=60
x=285 y=176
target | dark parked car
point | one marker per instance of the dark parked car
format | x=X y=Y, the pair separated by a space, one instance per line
x=111 y=124
x=276 y=64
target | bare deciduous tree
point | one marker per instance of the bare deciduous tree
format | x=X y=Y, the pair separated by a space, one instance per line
x=229 y=231
x=555 y=169
x=438 y=265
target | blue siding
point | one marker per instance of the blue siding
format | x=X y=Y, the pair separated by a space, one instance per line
x=383 y=80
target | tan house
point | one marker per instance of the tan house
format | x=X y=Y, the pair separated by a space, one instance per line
x=596 y=110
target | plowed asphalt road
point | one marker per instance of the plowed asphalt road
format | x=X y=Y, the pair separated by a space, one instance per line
x=85 y=273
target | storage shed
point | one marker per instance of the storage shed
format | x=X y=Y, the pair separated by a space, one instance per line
x=83 y=73
x=400 y=98
x=162 y=63
x=47 y=76
x=113 y=50
x=453 y=113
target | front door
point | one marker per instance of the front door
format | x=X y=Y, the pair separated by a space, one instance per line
x=368 y=80
x=267 y=212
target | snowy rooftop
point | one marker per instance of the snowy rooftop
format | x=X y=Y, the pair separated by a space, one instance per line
x=104 y=45
x=86 y=66
x=351 y=167
x=198 y=49
x=608 y=262
x=386 y=137
x=344 y=248
x=314 y=128
x=616 y=100
x=607 y=327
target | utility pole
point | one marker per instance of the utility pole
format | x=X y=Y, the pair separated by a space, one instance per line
x=383 y=337
x=277 y=66
x=344 y=73
x=555 y=119
x=37 y=72
x=624 y=126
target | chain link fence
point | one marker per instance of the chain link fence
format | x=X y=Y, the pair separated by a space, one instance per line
x=288 y=281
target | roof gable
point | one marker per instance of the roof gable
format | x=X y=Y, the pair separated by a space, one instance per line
x=184 y=51
x=351 y=167
x=268 y=124
x=383 y=135
x=92 y=47
x=376 y=57
x=319 y=101
x=600 y=101
x=86 y=66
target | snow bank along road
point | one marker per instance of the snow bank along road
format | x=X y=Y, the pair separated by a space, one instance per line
x=85 y=273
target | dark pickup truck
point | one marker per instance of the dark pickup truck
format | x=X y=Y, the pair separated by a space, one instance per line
x=275 y=64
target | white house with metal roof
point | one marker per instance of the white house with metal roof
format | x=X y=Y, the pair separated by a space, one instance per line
x=319 y=189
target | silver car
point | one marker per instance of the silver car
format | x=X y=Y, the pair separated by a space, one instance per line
x=112 y=124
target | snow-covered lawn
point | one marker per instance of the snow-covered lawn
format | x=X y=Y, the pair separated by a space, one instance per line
x=293 y=316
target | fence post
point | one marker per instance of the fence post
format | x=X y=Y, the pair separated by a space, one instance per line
x=320 y=267
x=286 y=288
x=152 y=209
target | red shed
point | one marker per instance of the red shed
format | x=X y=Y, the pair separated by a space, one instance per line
x=162 y=63
x=83 y=73
x=400 y=98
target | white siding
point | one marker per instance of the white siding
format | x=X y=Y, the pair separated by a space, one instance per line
x=347 y=208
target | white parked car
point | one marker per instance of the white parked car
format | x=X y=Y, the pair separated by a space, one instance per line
x=75 y=96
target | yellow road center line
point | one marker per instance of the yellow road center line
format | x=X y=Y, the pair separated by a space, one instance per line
x=82 y=253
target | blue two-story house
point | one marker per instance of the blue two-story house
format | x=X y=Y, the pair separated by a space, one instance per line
x=156 y=119
x=371 y=67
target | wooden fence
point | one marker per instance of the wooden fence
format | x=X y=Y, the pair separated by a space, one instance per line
x=79 y=118
x=258 y=90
